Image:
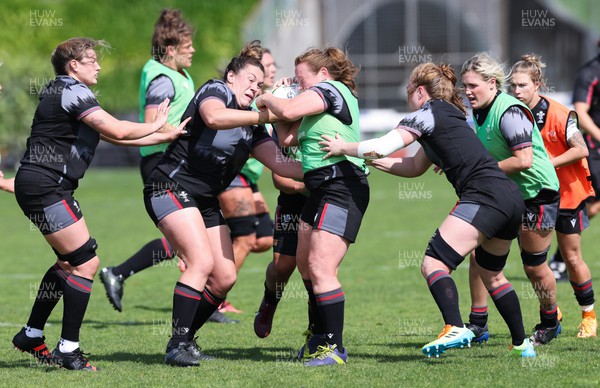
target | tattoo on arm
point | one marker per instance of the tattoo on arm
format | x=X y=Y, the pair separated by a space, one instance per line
x=577 y=141
x=97 y=122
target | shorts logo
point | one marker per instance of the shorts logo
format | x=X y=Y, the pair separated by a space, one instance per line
x=573 y=222
x=76 y=206
x=184 y=196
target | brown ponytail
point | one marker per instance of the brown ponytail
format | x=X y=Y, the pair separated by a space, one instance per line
x=439 y=81
x=335 y=61
x=170 y=29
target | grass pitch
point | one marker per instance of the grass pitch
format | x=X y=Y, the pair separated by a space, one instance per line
x=390 y=313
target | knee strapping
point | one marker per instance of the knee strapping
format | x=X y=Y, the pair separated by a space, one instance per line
x=81 y=255
x=242 y=226
x=439 y=249
x=488 y=261
x=265 y=225
x=534 y=259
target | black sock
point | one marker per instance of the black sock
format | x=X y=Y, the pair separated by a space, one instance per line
x=558 y=257
x=151 y=254
x=50 y=291
x=273 y=297
x=314 y=320
x=208 y=304
x=507 y=303
x=76 y=297
x=479 y=315
x=331 y=309
x=549 y=317
x=584 y=293
x=442 y=287
x=185 y=304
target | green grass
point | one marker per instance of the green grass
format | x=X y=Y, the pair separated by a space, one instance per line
x=32 y=29
x=390 y=314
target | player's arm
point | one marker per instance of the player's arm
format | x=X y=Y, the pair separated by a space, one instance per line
x=164 y=135
x=409 y=167
x=289 y=130
x=216 y=115
x=583 y=90
x=577 y=147
x=7 y=184
x=115 y=129
x=586 y=123
x=394 y=140
x=269 y=154
x=517 y=129
x=522 y=159
x=307 y=103
x=288 y=185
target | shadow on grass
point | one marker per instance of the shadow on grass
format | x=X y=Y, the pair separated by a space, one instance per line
x=27 y=365
x=254 y=353
x=167 y=309
x=281 y=354
x=104 y=324
x=246 y=354
x=152 y=358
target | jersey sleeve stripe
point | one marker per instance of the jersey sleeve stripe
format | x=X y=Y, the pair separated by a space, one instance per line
x=87 y=112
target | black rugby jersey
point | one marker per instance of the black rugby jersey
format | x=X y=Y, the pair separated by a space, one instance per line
x=587 y=87
x=59 y=140
x=205 y=161
x=452 y=145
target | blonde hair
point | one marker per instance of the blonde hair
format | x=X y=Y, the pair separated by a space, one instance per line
x=487 y=67
x=439 y=81
x=531 y=65
x=335 y=61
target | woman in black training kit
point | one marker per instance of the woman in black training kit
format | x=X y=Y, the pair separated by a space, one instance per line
x=181 y=193
x=67 y=126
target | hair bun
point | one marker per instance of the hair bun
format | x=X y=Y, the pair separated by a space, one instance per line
x=533 y=60
x=448 y=72
x=253 y=50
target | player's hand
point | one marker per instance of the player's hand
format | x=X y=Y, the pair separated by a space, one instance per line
x=266 y=116
x=260 y=102
x=283 y=81
x=332 y=146
x=7 y=184
x=438 y=170
x=169 y=133
x=180 y=130
x=162 y=113
x=384 y=164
